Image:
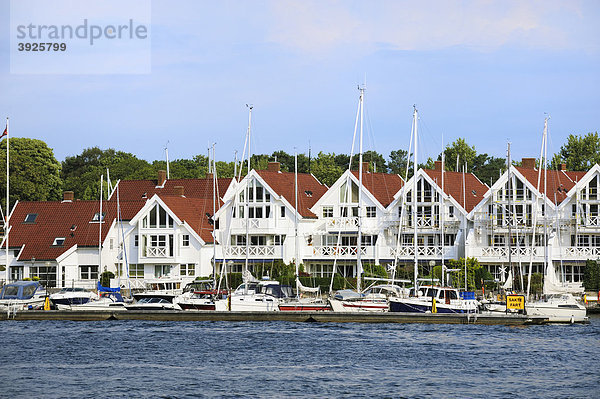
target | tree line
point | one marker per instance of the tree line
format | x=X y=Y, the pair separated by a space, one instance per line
x=36 y=175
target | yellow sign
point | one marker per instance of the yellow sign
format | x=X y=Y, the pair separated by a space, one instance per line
x=433 y=307
x=515 y=302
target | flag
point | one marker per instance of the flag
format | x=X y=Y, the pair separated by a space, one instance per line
x=5 y=133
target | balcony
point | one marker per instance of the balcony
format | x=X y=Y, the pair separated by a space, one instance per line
x=501 y=253
x=254 y=251
x=581 y=253
x=156 y=252
x=253 y=224
x=342 y=224
x=339 y=251
x=429 y=252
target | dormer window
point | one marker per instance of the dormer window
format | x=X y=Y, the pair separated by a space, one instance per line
x=58 y=242
x=97 y=217
x=30 y=218
x=308 y=193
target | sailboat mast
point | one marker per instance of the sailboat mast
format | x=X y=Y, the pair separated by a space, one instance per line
x=7 y=216
x=509 y=166
x=215 y=199
x=100 y=227
x=359 y=268
x=545 y=196
x=296 y=247
x=442 y=210
x=247 y=198
x=414 y=196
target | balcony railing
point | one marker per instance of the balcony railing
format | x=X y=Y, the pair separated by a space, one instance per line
x=338 y=251
x=502 y=252
x=253 y=250
x=156 y=252
x=342 y=223
x=582 y=252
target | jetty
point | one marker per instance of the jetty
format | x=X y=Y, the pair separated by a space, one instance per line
x=296 y=317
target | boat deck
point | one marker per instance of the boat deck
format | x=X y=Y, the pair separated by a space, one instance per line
x=322 y=317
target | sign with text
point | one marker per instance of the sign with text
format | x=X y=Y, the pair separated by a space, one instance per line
x=515 y=302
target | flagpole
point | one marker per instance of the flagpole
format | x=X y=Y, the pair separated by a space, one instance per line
x=7 y=217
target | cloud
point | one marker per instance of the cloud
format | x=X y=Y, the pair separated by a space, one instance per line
x=323 y=26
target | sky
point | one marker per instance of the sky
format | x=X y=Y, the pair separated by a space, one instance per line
x=486 y=71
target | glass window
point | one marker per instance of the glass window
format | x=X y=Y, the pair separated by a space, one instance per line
x=136 y=240
x=97 y=217
x=30 y=218
x=187 y=269
x=259 y=212
x=282 y=211
x=259 y=193
x=371 y=211
x=185 y=240
x=153 y=218
x=327 y=211
x=251 y=212
x=136 y=271
x=88 y=272
x=162 y=270
x=59 y=241
x=162 y=217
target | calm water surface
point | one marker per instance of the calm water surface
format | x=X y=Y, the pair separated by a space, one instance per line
x=58 y=359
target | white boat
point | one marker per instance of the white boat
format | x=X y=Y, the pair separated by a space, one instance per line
x=559 y=308
x=68 y=297
x=257 y=296
x=153 y=301
x=434 y=299
x=22 y=295
x=373 y=299
x=104 y=301
x=199 y=295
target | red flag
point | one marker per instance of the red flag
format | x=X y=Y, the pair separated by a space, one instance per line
x=5 y=133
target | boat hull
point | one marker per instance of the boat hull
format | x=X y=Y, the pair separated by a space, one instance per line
x=358 y=306
x=414 y=306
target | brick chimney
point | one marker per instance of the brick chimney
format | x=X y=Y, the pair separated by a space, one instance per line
x=209 y=176
x=563 y=166
x=438 y=165
x=162 y=177
x=179 y=190
x=528 y=163
x=68 y=196
x=365 y=167
x=274 y=166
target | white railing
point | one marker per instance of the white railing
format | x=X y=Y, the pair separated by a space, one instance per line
x=263 y=223
x=582 y=252
x=156 y=252
x=342 y=223
x=502 y=252
x=592 y=221
x=430 y=251
x=253 y=250
x=337 y=250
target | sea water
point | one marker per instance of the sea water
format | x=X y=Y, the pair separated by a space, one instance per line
x=138 y=359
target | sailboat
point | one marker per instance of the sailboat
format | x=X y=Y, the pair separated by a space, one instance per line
x=557 y=303
x=425 y=299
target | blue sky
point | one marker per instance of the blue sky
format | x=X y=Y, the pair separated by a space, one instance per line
x=483 y=70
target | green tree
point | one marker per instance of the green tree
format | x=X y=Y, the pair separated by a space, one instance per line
x=579 y=152
x=397 y=162
x=34 y=172
x=463 y=152
x=325 y=169
x=591 y=276
x=458 y=278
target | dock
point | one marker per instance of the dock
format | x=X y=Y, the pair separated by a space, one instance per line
x=295 y=317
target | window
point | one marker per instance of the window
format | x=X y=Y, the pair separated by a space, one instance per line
x=241 y=211
x=16 y=273
x=371 y=211
x=277 y=240
x=58 y=241
x=399 y=211
x=158 y=218
x=185 y=240
x=162 y=270
x=355 y=211
x=111 y=243
x=187 y=269
x=88 y=272
x=451 y=211
x=239 y=240
x=136 y=240
x=327 y=211
x=282 y=211
x=368 y=240
x=97 y=217
x=30 y=218
x=46 y=275
x=251 y=212
x=136 y=271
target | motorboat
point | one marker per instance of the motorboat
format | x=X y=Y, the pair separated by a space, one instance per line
x=153 y=301
x=435 y=299
x=374 y=299
x=559 y=308
x=22 y=295
x=257 y=296
x=199 y=295
x=104 y=301
x=67 y=297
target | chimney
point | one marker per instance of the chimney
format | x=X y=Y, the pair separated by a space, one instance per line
x=365 y=167
x=563 y=166
x=162 y=177
x=68 y=196
x=178 y=191
x=274 y=166
x=528 y=163
x=438 y=165
x=209 y=176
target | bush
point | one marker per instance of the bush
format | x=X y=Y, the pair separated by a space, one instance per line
x=105 y=278
x=591 y=276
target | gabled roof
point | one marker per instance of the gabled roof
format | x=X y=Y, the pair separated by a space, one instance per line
x=309 y=189
x=474 y=189
x=558 y=182
x=192 y=211
x=66 y=219
x=382 y=186
x=192 y=188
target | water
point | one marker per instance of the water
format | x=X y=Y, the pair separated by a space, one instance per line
x=61 y=359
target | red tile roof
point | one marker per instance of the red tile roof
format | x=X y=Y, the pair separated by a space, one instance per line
x=382 y=186
x=56 y=219
x=193 y=188
x=558 y=182
x=193 y=211
x=309 y=189
x=453 y=186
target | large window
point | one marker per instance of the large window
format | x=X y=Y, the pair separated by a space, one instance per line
x=88 y=272
x=16 y=273
x=187 y=269
x=157 y=217
x=136 y=271
x=45 y=274
x=162 y=270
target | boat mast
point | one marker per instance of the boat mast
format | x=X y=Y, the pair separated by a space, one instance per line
x=296 y=223
x=443 y=210
x=509 y=194
x=100 y=228
x=465 y=220
x=246 y=205
x=414 y=196
x=214 y=230
x=359 y=269
x=7 y=216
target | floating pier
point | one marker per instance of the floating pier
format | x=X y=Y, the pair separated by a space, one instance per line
x=320 y=317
